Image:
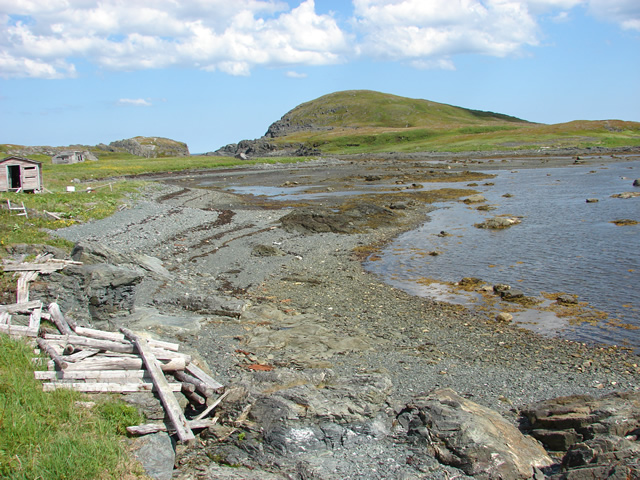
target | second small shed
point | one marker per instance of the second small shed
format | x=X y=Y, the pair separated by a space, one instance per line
x=19 y=174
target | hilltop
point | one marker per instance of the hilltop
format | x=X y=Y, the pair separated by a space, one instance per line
x=363 y=121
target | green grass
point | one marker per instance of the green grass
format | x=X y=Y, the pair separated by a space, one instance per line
x=472 y=138
x=47 y=436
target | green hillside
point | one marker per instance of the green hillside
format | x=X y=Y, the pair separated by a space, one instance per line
x=365 y=108
x=363 y=121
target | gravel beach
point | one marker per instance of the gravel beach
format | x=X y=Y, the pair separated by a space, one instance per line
x=244 y=287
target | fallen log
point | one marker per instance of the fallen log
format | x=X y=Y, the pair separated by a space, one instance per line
x=203 y=376
x=101 y=362
x=167 y=397
x=79 y=341
x=57 y=359
x=58 y=319
x=119 y=337
x=199 y=385
x=194 y=398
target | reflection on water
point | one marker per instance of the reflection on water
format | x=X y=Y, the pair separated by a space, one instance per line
x=563 y=244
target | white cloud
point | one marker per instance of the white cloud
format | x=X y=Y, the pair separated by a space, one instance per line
x=624 y=12
x=232 y=37
x=43 y=38
x=440 y=28
x=135 y=102
x=293 y=74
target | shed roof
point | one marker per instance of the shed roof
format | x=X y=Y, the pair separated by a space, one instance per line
x=22 y=159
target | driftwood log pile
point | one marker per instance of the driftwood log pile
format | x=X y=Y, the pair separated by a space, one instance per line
x=96 y=361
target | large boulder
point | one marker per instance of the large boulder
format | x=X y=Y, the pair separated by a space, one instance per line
x=471 y=437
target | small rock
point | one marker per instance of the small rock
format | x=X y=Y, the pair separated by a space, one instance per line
x=266 y=251
x=592 y=200
x=566 y=299
x=636 y=182
x=504 y=317
x=511 y=294
x=475 y=199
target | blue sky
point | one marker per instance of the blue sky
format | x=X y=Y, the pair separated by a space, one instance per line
x=212 y=72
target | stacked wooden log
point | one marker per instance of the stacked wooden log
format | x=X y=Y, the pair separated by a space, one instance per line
x=95 y=361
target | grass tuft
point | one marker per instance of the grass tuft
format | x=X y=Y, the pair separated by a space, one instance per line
x=45 y=435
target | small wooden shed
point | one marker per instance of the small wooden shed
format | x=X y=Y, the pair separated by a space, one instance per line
x=64 y=158
x=19 y=174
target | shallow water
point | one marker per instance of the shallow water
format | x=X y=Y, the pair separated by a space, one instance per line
x=563 y=244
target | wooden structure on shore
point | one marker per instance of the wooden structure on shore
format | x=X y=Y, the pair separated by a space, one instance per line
x=19 y=174
x=96 y=361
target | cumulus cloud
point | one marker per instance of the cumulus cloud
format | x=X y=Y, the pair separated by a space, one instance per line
x=40 y=37
x=135 y=102
x=416 y=29
x=43 y=38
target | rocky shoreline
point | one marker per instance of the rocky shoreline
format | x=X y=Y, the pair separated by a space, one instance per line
x=336 y=375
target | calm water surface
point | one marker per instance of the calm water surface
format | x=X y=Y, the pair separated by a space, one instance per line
x=563 y=244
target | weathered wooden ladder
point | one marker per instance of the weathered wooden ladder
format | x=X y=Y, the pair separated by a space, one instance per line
x=21 y=210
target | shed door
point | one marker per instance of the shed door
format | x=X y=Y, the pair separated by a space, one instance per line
x=13 y=177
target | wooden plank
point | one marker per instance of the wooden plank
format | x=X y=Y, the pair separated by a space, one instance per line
x=21 y=307
x=212 y=406
x=160 y=427
x=18 y=330
x=81 y=355
x=162 y=354
x=58 y=319
x=90 y=374
x=58 y=360
x=108 y=387
x=34 y=318
x=5 y=318
x=203 y=376
x=167 y=397
x=33 y=267
x=23 y=286
x=49 y=266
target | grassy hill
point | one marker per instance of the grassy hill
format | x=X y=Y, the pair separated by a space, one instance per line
x=362 y=121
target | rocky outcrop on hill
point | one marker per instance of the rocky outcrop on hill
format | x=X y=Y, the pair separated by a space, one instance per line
x=150 y=147
x=26 y=151
x=262 y=147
